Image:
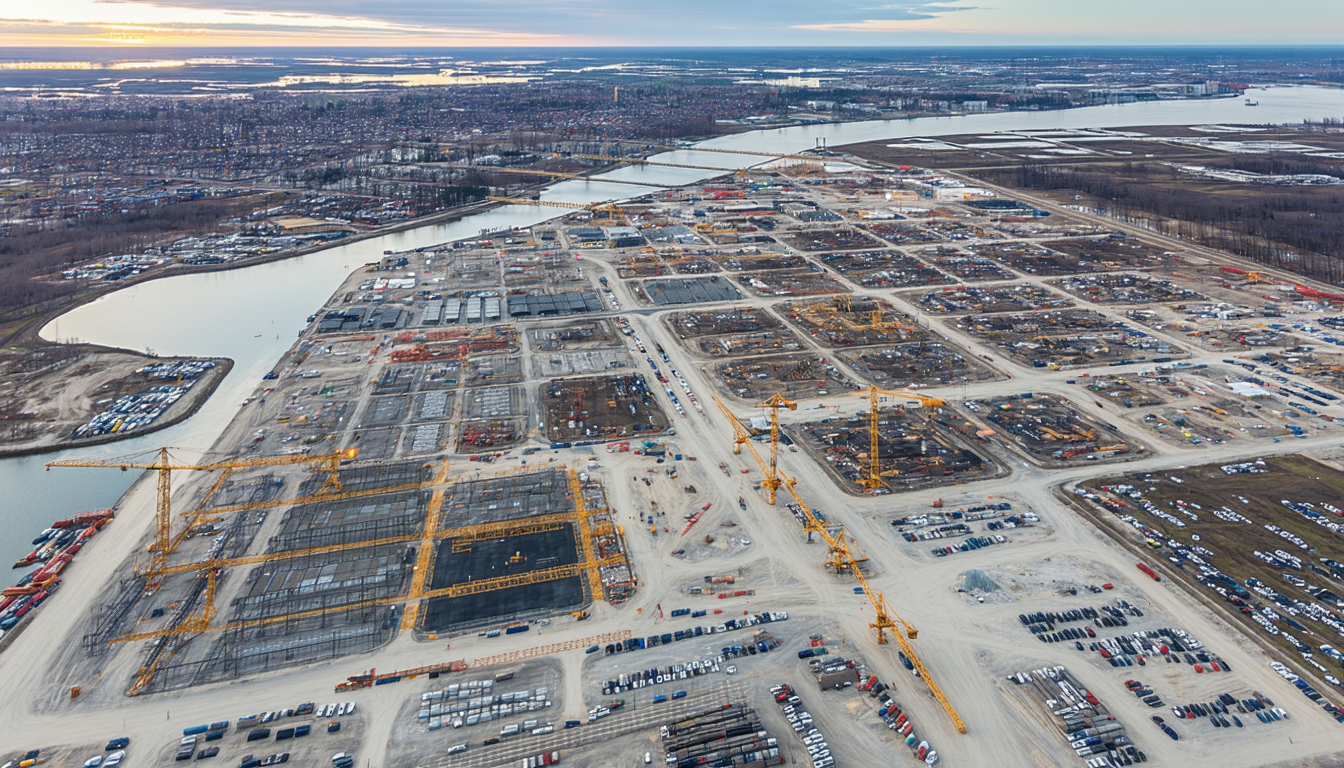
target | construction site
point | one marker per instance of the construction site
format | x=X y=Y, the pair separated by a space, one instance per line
x=601 y=408
x=689 y=290
x=884 y=269
x=760 y=261
x=810 y=282
x=745 y=331
x=851 y=321
x=845 y=239
x=1126 y=288
x=790 y=375
x=355 y=555
x=1066 y=338
x=1050 y=430
x=966 y=299
x=898 y=448
x=918 y=363
x=963 y=265
x=532 y=497
x=1034 y=259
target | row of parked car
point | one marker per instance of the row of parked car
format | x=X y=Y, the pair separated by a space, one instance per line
x=652 y=641
x=801 y=721
x=641 y=678
x=1144 y=694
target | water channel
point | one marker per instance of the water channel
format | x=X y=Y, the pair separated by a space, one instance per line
x=253 y=314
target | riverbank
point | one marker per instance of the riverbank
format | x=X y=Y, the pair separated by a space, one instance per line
x=73 y=384
x=27 y=332
x=271 y=301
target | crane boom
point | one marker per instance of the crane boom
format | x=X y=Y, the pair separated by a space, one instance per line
x=841 y=554
x=742 y=437
x=811 y=524
x=164 y=543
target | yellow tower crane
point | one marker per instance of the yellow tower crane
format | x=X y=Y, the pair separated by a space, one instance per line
x=841 y=558
x=775 y=402
x=874 y=479
x=164 y=542
x=884 y=621
x=811 y=524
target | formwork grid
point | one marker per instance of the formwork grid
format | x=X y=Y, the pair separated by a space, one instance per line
x=326 y=604
x=379 y=581
x=108 y=622
x=234 y=660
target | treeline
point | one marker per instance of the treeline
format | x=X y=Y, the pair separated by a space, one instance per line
x=1280 y=165
x=31 y=251
x=1300 y=229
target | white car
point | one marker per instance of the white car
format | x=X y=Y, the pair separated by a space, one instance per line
x=349 y=707
x=732 y=669
x=93 y=762
x=114 y=759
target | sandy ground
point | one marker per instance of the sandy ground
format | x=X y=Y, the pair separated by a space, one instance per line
x=63 y=395
x=969 y=647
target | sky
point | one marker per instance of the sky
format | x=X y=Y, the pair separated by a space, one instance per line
x=734 y=23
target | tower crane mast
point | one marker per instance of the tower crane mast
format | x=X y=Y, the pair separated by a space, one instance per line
x=874 y=479
x=841 y=553
x=164 y=543
x=775 y=402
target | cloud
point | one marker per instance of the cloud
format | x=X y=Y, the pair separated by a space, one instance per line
x=683 y=23
x=136 y=21
x=897 y=18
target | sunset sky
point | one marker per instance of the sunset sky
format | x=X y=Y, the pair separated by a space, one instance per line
x=681 y=23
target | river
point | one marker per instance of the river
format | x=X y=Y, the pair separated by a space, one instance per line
x=253 y=314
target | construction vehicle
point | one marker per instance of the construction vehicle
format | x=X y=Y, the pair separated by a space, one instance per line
x=874 y=479
x=372 y=678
